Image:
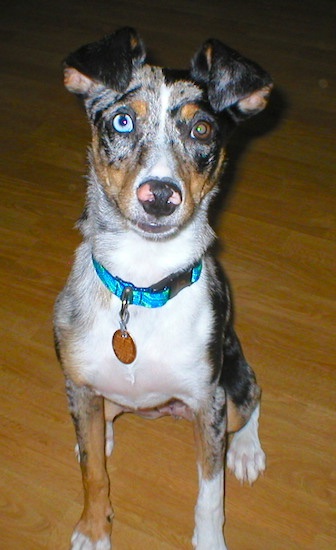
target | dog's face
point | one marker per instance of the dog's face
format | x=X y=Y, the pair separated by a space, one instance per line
x=159 y=136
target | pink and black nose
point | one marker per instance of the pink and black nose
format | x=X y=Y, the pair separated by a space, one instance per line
x=159 y=197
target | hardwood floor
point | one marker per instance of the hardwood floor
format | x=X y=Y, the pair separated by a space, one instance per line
x=278 y=236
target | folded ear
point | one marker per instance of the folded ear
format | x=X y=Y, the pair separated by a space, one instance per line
x=109 y=61
x=231 y=79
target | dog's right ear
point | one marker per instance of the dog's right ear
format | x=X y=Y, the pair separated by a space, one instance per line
x=109 y=61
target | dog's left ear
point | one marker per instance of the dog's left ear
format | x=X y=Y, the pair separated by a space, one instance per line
x=109 y=61
x=232 y=81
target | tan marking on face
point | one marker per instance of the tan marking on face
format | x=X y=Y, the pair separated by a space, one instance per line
x=198 y=185
x=220 y=166
x=140 y=108
x=117 y=182
x=188 y=111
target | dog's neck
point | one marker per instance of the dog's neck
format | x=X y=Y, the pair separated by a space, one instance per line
x=142 y=261
x=130 y=255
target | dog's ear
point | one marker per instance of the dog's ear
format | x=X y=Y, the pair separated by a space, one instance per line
x=110 y=62
x=231 y=80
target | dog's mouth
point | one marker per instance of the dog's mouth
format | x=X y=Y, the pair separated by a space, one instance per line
x=155 y=228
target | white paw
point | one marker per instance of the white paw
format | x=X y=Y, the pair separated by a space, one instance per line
x=245 y=457
x=208 y=543
x=81 y=542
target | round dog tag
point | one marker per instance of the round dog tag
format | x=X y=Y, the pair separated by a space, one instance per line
x=124 y=347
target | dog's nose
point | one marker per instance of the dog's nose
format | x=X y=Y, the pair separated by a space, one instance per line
x=159 y=197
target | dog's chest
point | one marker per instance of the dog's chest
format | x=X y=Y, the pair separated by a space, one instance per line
x=171 y=353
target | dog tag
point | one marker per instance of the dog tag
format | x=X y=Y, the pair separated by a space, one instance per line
x=124 y=347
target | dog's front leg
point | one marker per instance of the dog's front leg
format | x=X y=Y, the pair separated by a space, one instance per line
x=94 y=528
x=210 y=436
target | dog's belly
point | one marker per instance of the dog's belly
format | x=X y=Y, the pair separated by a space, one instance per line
x=171 y=361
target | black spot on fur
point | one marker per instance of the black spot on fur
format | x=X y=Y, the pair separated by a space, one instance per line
x=104 y=142
x=219 y=414
x=225 y=352
x=237 y=376
x=203 y=160
x=220 y=307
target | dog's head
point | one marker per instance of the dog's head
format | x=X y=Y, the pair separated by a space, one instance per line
x=159 y=135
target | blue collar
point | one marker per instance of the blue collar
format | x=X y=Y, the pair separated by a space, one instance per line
x=153 y=296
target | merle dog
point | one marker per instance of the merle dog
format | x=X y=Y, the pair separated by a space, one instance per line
x=144 y=323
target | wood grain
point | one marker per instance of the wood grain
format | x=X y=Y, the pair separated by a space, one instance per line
x=277 y=231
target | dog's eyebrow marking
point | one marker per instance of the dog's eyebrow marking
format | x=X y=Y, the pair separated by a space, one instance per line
x=97 y=99
x=139 y=107
x=189 y=110
x=128 y=94
x=116 y=99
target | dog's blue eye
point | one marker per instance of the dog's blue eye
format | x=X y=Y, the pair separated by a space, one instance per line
x=123 y=123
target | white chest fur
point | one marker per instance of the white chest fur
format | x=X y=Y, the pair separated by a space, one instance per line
x=172 y=355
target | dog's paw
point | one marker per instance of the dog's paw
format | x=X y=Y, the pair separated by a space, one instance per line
x=82 y=542
x=245 y=457
x=210 y=542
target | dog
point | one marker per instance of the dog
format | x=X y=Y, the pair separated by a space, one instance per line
x=144 y=323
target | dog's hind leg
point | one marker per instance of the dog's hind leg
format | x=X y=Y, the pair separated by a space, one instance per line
x=210 y=436
x=111 y=412
x=94 y=528
x=245 y=457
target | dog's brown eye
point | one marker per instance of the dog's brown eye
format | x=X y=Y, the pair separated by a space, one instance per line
x=201 y=130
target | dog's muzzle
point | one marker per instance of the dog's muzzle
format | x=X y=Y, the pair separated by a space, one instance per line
x=159 y=197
